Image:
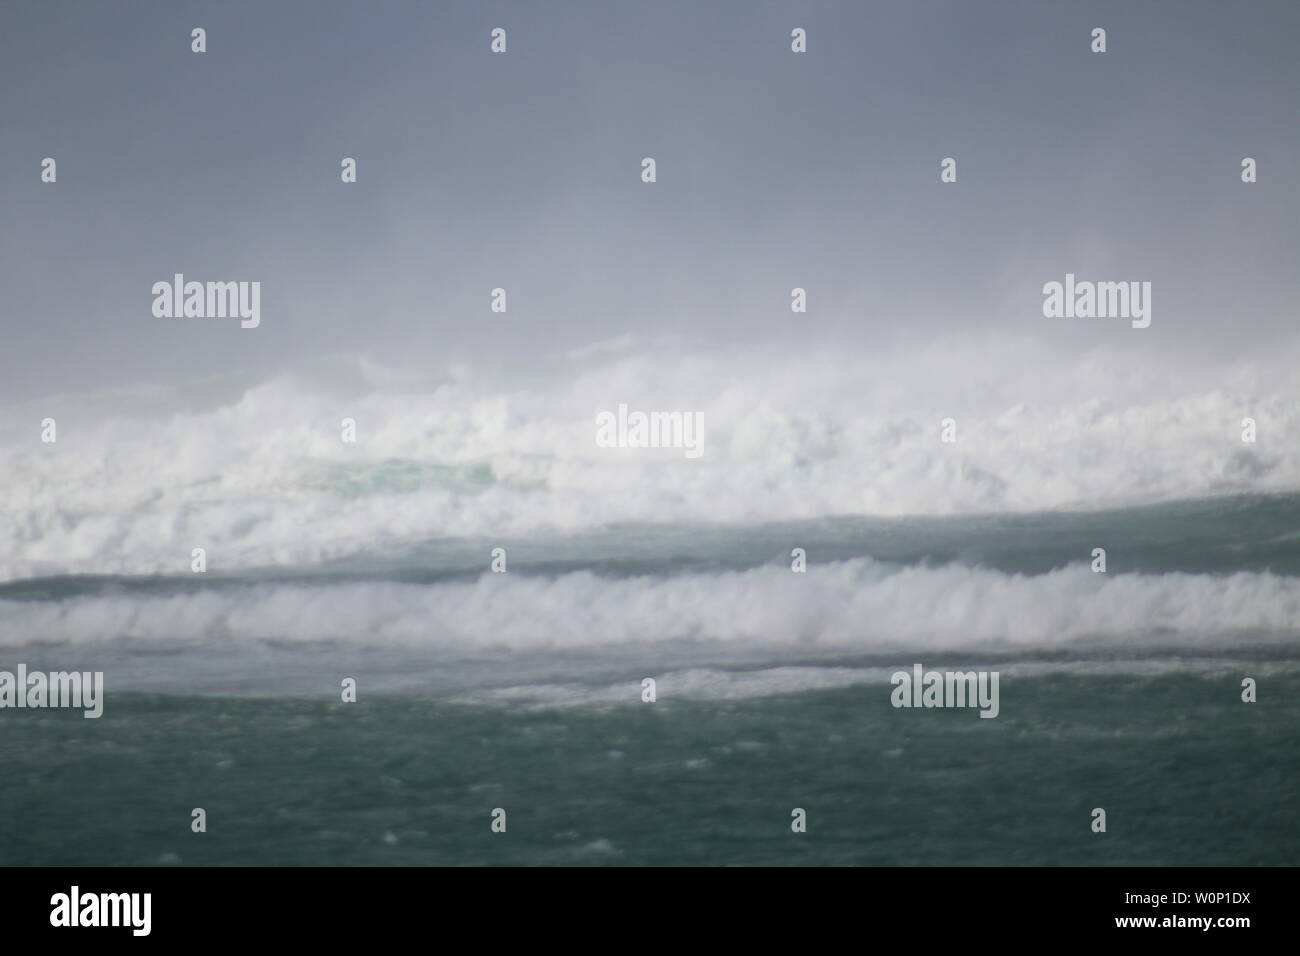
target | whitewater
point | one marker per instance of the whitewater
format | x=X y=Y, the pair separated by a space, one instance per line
x=636 y=559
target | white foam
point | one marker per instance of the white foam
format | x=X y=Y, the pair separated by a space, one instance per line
x=704 y=683
x=855 y=605
x=259 y=477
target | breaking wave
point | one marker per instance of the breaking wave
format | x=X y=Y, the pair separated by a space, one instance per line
x=259 y=476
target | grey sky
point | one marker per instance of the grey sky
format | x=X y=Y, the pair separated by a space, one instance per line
x=523 y=171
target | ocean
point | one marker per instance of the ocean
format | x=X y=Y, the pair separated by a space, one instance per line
x=500 y=716
x=1119 y=690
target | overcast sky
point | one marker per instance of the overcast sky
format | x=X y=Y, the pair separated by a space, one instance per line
x=522 y=170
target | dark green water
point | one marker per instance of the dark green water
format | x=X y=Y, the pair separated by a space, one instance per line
x=1187 y=773
x=1119 y=690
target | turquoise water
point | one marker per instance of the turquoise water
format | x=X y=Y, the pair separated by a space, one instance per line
x=1186 y=772
x=522 y=692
